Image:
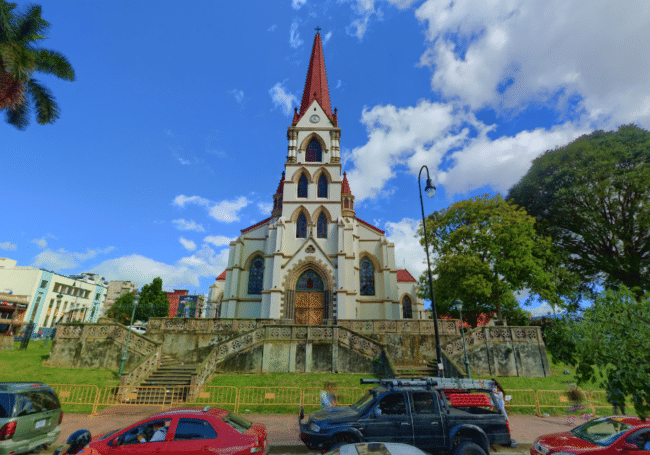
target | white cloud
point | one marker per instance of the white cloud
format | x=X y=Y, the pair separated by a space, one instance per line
x=184 y=225
x=409 y=254
x=185 y=274
x=265 y=207
x=41 y=243
x=62 y=259
x=181 y=160
x=366 y=9
x=297 y=4
x=8 y=246
x=226 y=211
x=272 y=28
x=326 y=38
x=294 y=37
x=238 y=95
x=547 y=50
x=218 y=240
x=283 y=99
x=187 y=244
x=544 y=309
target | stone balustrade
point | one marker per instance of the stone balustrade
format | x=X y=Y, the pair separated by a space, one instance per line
x=479 y=335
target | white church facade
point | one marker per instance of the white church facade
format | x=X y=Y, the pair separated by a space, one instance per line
x=313 y=260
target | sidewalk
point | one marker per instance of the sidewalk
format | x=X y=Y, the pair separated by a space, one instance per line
x=283 y=431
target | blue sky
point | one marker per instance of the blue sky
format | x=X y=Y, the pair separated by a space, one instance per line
x=173 y=137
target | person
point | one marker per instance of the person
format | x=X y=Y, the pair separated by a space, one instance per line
x=500 y=404
x=78 y=444
x=160 y=431
x=327 y=396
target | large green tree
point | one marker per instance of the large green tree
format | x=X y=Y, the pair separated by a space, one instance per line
x=153 y=303
x=610 y=346
x=485 y=250
x=592 y=198
x=20 y=58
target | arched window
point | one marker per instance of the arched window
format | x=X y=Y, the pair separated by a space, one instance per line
x=301 y=226
x=314 y=151
x=407 y=311
x=367 y=277
x=321 y=226
x=256 y=276
x=302 y=186
x=310 y=281
x=322 y=186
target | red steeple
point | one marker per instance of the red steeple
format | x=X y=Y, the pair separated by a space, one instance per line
x=316 y=83
x=346 y=185
x=281 y=185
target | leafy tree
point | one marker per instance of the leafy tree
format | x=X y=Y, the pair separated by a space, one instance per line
x=609 y=345
x=153 y=303
x=20 y=58
x=591 y=197
x=484 y=251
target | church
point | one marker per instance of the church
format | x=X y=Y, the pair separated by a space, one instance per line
x=313 y=261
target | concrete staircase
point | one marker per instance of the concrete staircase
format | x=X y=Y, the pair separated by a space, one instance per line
x=171 y=373
x=415 y=370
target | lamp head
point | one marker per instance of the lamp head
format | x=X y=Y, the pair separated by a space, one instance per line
x=430 y=189
x=458 y=305
x=136 y=299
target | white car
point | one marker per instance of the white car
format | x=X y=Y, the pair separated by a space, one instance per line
x=138 y=329
x=375 y=448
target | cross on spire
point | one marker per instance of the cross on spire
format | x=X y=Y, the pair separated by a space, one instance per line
x=318 y=29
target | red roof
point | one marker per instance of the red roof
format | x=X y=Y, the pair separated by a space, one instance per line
x=256 y=225
x=281 y=185
x=403 y=276
x=346 y=186
x=370 y=226
x=222 y=276
x=316 y=83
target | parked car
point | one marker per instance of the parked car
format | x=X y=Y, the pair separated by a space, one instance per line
x=601 y=436
x=433 y=414
x=376 y=448
x=211 y=431
x=138 y=329
x=30 y=415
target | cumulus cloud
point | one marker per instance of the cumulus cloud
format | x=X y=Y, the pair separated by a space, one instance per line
x=218 y=240
x=225 y=211
x=187 y=244
x=294 y=37
x=62 y=259
x=283 y=99
x=184 y=225
x=297 y=4
x=409 y=254
x=366 y=10
x=265 y=207
x=8 y=246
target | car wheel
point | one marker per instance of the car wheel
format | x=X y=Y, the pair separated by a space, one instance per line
x=468 y=448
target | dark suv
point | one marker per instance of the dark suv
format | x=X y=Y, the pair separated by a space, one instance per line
x=433 y=414
x=30 y=415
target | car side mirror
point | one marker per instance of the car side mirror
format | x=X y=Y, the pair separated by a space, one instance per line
x=629 y=446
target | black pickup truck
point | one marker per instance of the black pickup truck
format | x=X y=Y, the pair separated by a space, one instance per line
x=435 y=414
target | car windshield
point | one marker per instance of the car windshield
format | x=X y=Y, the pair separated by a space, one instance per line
x=364 y=401
x=237 y=422
x=603 y=431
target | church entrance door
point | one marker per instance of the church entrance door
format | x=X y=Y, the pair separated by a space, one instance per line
x=310 y=299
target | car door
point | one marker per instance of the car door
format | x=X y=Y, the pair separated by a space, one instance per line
x=196 y=436
x=388 y=420
x=128 y=441
x=428 y=431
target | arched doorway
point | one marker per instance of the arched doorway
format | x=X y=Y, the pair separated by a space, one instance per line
x=310 y=299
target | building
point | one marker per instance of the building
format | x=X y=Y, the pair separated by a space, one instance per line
x=213 y=305
x=51 y=297
x=173 y=298
x=116 y=289
x=313 y=260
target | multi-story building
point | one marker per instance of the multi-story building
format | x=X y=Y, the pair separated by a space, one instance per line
x=173 y=298
x=52 y=297
x=117 y=289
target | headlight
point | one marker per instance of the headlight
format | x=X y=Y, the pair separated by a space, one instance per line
x=313 y=427
x=540 y=448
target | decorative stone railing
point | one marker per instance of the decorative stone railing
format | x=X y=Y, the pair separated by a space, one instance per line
x=141 y=371
x=446 y=327
x=480 y=335
x=117 y=332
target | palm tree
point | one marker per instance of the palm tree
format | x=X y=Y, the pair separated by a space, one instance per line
x=19 y=59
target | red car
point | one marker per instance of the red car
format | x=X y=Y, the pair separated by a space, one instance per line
x=602 y=436
x=186 y=431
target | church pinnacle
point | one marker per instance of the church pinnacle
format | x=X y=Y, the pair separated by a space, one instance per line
x=316 y=84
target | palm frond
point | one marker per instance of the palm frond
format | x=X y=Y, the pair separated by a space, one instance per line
x=47 y=111
x=30 y=25
x=7 y=21
x=19 y=117
x=55 y=63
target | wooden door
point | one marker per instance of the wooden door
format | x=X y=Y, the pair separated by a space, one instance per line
x=309 y=308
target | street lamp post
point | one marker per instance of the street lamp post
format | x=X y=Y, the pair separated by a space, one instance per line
x=430 y=190
x=459 y=306
x=136 y=300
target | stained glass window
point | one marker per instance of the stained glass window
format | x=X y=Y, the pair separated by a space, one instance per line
x=314 y=151
x=367 y=277
x=321 y=226
x=322 y=186
x=256 y=276
x=301 y=226
x=302 y=186
x=310 y=281
x=407 y=311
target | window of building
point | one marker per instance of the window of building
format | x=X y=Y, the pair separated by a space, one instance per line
x=44 y=284
x=322 y=186
x=310 y=281
x=367 y=277
x=302 y=186
x=321 y=226
x=301 y=226
x=407 y=311
x=97 y=296
x=256 y=276
x=314 y=151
